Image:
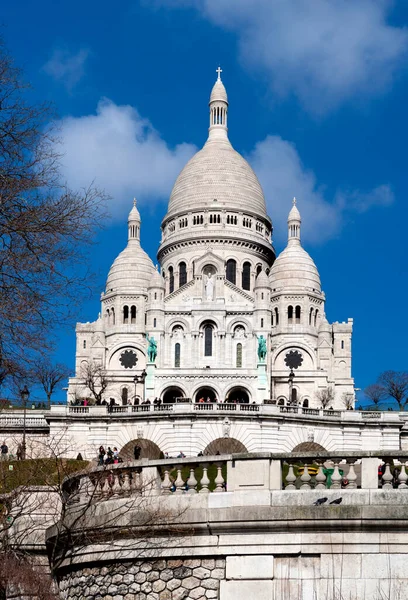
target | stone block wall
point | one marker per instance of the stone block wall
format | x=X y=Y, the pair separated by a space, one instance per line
x=197 y=579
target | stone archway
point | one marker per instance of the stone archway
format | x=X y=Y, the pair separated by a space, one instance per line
x=171 y=394
x=148 y=449
x=238 y=394
x=309 y=447
x=224 y=446
x=207 y=393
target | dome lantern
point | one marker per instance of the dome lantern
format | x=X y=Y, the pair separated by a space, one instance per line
x=294 y=222
x=218 y=108
x=134 y=224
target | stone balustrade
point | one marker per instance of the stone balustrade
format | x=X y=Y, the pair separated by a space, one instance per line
x=210 y=407
x=262 y=471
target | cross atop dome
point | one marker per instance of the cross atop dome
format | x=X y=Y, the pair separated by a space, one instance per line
x=219 y=71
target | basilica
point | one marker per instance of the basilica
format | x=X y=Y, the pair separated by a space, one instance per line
x=223 y=320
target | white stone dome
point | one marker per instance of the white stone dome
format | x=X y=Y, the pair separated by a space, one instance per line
x=217 y=172
x=218 y=93
x=294 y=268
x=131 y=270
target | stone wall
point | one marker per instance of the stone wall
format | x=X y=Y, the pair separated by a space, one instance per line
x=146 y=580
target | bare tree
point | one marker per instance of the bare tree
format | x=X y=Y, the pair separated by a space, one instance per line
x=325 y=396
x=376 y=393
x=48 y=375
x=395 y=384
x=44 y=226
x=94 y=377
x=348 y=400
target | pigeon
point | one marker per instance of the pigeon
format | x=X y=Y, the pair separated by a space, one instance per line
x=320 y=501
x=337 y=501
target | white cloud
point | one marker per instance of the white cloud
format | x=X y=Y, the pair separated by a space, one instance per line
x=122 y=153
x=66 y=67
x=323 y=51
x=282 y=175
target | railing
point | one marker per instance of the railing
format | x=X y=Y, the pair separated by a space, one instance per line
x=266 y=409
x=18 y=421
x=289 y=472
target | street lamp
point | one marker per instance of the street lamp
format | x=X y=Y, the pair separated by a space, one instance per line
x=140 y=379
x=25 y=394
x=290 y=381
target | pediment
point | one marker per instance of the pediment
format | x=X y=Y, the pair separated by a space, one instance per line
x=209 y=258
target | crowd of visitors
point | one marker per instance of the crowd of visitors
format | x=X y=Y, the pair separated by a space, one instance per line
x=109 y=456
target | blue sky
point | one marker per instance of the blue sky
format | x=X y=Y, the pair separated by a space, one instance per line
x=318 y=95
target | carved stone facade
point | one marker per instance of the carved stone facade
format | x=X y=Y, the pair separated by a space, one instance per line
x=218 y=291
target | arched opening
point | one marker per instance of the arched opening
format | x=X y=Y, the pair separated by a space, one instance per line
x=182 y=273
x=290 y=315
x=113 y=316
x=294 y=397
x=239 y=356
x=276 y=316
x=148 y=449
x=306 y=403
x=281 y=402
x=315 y=317
x=309 y=447
x=258 y=269
x=171 y=280
x=238 y=395
x=246 y=276
x=206 y=394
x=125 y=393
x=224 y=446
x=297 y=315
x=208 y=339
x=133 y=314
x=125 y=314
x=177 y=355
x=231 y=271
x=171 y=394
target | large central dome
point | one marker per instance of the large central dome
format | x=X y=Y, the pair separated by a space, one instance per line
x=217 y=172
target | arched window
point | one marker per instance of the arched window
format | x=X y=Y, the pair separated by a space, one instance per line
x=182 y=274
x=294 y=396
x=239 y=355
x=315 y=317
x=113 y=316
x=297 y=314
x=125 y=314
x=246 y=276
x=84 y=344
x=276 y=316
x=171 y=280
x=262 y=322
x=310 y=316
x=342 y=345
x=133 y=314
x=177 y=352
x=124 y=396
x=231 y=271
x=258 y=269
x=290 y=314
x=154 y=322
x=208 y=340
x=306 y=403
x=281 y=402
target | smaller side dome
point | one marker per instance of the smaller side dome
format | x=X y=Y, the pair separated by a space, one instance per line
x=132 y=270
x=157 y=280
x=294 y=267
x=324 y=326
x=219 y=93
x=262 y=280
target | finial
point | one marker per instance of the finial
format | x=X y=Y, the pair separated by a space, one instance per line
x=134 y=201
x=294 y=201
x=219 y=71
